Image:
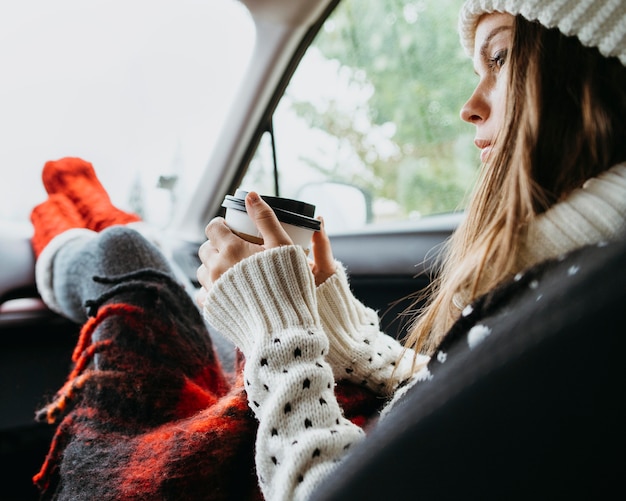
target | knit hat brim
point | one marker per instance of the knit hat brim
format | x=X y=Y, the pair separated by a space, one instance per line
x=596 y=23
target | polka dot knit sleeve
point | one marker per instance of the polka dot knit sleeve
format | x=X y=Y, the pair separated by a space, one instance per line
x=359 y=351
x=267 y=305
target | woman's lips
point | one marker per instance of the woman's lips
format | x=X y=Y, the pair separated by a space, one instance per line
x=484 y=146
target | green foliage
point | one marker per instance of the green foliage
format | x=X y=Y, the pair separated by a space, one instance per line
x=409 y=52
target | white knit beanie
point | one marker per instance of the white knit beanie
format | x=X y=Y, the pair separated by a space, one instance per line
x=596 y=23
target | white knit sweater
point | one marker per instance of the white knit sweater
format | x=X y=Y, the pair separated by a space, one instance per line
x=591 y=214
x=298 y=339
x=295 y=338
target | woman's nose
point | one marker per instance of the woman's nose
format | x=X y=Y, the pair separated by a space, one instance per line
x=476 y=109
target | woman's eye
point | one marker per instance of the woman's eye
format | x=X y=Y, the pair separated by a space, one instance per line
x=499 y=58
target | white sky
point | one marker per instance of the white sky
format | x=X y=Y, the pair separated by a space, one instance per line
x=129 y=85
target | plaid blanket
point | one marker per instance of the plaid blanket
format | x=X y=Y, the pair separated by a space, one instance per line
x=148 y=413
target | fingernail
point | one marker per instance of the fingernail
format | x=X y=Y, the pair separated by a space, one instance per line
x=253 y=197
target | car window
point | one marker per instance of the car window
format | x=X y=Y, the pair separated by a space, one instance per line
x=137 y=87
x=371 y=119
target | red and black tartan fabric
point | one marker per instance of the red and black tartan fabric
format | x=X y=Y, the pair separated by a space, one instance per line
x=147 y=412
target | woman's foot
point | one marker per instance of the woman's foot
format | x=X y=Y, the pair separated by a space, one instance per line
x=77 y=180
x=51 y=218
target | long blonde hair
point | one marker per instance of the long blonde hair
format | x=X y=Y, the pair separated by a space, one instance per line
x=565 y=122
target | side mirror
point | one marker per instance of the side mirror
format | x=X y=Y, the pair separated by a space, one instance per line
x=343 y=206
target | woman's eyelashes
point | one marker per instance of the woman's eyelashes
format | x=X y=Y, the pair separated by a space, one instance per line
x=496 y=62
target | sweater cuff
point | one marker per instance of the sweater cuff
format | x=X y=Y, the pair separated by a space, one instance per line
x=359 y=351
x=340 y=312
x=268 y=292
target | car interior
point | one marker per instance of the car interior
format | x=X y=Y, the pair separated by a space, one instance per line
x=339 y=103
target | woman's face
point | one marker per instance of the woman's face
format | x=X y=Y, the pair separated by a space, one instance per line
x=486 y=106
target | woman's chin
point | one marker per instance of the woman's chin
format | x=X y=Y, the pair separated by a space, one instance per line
x=485 y=153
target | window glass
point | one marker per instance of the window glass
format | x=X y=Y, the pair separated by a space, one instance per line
x=137 y=87
x=375 y=105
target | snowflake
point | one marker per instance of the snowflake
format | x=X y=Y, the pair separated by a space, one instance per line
x=476 y=335
x=573 y=270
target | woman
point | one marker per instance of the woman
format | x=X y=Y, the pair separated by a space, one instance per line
x=563 y=124
x=125 y=433
x=550 y=118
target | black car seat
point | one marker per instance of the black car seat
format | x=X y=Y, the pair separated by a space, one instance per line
x=534 y=411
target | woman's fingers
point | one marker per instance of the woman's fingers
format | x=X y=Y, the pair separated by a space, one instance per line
x=266 y=222
x=221 y=251
x=201 y=297
x=323 y=261
x=224 y=249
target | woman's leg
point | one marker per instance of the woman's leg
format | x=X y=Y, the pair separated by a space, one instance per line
x=147 y=411
x=80 y=266
x=79 y=234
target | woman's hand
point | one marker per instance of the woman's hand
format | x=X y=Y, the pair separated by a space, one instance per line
x=224 y=249
x=323 y=265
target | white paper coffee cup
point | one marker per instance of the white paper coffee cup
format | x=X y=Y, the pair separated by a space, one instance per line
x=295 y=216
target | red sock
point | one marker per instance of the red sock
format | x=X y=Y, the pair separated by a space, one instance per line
x=77 y=179
x=52 y=217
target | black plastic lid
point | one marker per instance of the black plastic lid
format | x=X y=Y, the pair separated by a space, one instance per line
x=287 y=210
